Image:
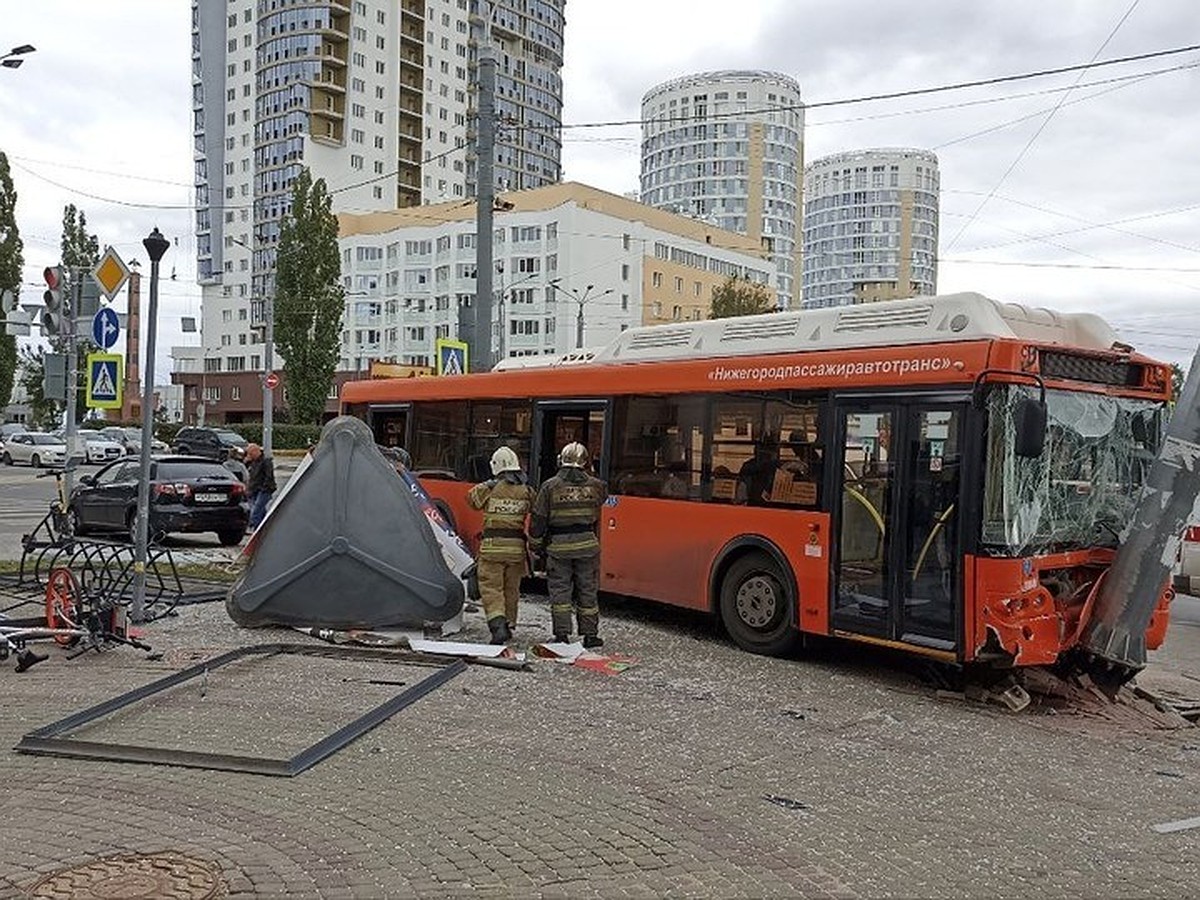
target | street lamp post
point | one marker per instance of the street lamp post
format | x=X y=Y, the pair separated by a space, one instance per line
x=12 y=60
x=156 y=246
x=574 y=295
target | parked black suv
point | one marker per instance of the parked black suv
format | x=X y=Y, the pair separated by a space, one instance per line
x=211 y=443
x=187 y=494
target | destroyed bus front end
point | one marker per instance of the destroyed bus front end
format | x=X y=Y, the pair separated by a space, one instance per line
x=1051 y=523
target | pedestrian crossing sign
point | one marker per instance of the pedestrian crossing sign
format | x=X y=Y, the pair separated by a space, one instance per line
x=104 y=381
x=451 y=357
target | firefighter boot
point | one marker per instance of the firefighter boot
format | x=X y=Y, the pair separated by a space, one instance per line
x=499 y=628
x=592 y=641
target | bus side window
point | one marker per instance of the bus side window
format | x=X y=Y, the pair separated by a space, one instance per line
x=440 y=439
x=658 y=447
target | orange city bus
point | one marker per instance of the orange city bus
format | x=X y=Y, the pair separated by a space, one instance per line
x=867 y=472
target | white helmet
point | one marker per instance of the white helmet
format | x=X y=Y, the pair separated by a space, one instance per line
x=574 y=455
x=505 y=460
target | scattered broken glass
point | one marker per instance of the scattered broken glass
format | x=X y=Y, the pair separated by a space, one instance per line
x=1081 y=491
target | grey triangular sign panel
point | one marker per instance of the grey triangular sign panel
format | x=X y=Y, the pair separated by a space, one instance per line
x=347 y=547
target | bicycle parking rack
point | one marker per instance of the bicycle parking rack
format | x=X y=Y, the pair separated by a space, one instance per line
x=105 y=570
x=52 y=739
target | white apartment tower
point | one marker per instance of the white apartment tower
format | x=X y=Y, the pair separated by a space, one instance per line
x=728 y=148
x=870 y=226
x=374 y=96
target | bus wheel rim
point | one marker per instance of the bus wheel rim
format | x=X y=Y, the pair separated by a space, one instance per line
x=757 y=601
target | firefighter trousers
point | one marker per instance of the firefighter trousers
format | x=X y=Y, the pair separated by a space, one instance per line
x=573 y=585
x=500 y=589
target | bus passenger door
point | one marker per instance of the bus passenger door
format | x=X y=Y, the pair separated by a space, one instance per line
x=558 y=423
x=390 y=424
x=862 y=504
x=898 y=548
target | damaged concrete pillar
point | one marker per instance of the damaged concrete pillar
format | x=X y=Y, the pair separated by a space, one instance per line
x=1115 y=637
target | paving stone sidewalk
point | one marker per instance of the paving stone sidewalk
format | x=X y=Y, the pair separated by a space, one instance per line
x=702 y=771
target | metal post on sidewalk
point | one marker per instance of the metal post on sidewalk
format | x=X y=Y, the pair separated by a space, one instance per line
x=156 y=246
x=75 y=294
x=268 y=413
x=485 y=197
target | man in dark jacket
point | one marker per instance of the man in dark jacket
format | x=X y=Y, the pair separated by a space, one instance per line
x=261 y=483
x=233 y=462
x=565 y=521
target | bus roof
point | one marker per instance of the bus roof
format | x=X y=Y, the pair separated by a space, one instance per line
x=921 y=320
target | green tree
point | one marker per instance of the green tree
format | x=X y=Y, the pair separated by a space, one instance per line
x=741 y=297
x=308 y=298
x=12 y=263
x=1176 y=381
x=80 y=254
x=79 y=249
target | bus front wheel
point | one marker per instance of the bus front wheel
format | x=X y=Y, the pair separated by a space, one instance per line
x=757 y=608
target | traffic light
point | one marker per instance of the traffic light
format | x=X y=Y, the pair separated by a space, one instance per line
x=56 y=300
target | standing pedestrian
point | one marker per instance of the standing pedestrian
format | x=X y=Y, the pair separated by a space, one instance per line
x=233 y=462
x=506 y=501
x=566 y=517
x=261 y=483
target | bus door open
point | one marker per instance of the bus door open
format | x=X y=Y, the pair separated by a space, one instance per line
x=390 y=425
x=896 y=503
x=558 y=423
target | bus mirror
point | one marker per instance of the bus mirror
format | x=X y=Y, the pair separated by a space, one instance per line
x=1029 y=427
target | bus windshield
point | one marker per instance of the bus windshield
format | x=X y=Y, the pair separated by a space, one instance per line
x=1080 y=492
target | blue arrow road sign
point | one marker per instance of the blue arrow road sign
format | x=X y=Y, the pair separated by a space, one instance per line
x=105 y=327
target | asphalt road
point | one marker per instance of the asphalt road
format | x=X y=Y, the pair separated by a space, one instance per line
x=25 y=500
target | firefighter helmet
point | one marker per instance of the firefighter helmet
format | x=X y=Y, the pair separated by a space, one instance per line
x=574 y=455
x=505 y=460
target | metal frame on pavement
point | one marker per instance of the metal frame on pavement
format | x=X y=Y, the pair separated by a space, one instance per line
x=51 y=740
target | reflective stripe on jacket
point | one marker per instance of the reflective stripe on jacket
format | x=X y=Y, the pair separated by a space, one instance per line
x=566 y=514
x=505 y=504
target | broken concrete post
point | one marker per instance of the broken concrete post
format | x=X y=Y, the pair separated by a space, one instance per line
x=1115 y=637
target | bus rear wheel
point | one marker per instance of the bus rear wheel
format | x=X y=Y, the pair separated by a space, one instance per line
x=757 y=607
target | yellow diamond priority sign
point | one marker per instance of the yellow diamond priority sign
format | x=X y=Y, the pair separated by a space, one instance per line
x=110 y=273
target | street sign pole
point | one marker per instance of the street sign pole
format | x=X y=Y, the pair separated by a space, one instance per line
x=156 y=247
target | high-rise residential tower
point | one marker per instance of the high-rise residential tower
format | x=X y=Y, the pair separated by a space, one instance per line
x=375 y=97
x=870 y=226
x=728 y=147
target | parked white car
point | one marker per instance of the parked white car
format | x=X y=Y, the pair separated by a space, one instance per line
x=99 y=449
x=34 y=448
x=131 y=440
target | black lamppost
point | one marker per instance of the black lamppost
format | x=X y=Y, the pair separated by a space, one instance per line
x=11 y=60
x=156 y=246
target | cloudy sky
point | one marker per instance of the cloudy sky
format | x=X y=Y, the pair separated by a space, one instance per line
x=1079 y=191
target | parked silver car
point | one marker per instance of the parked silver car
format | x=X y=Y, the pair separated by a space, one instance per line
x=34 y=448
x=131 y=440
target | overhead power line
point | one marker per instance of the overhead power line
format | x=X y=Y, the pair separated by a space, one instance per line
x=892 y=95
x=1048 y=265
x=1041 y=127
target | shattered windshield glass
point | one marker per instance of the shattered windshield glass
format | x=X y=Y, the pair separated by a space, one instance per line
x=1080 y=492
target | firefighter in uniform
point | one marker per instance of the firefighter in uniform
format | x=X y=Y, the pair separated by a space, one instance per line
x=565 y=522
x=505 y=500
